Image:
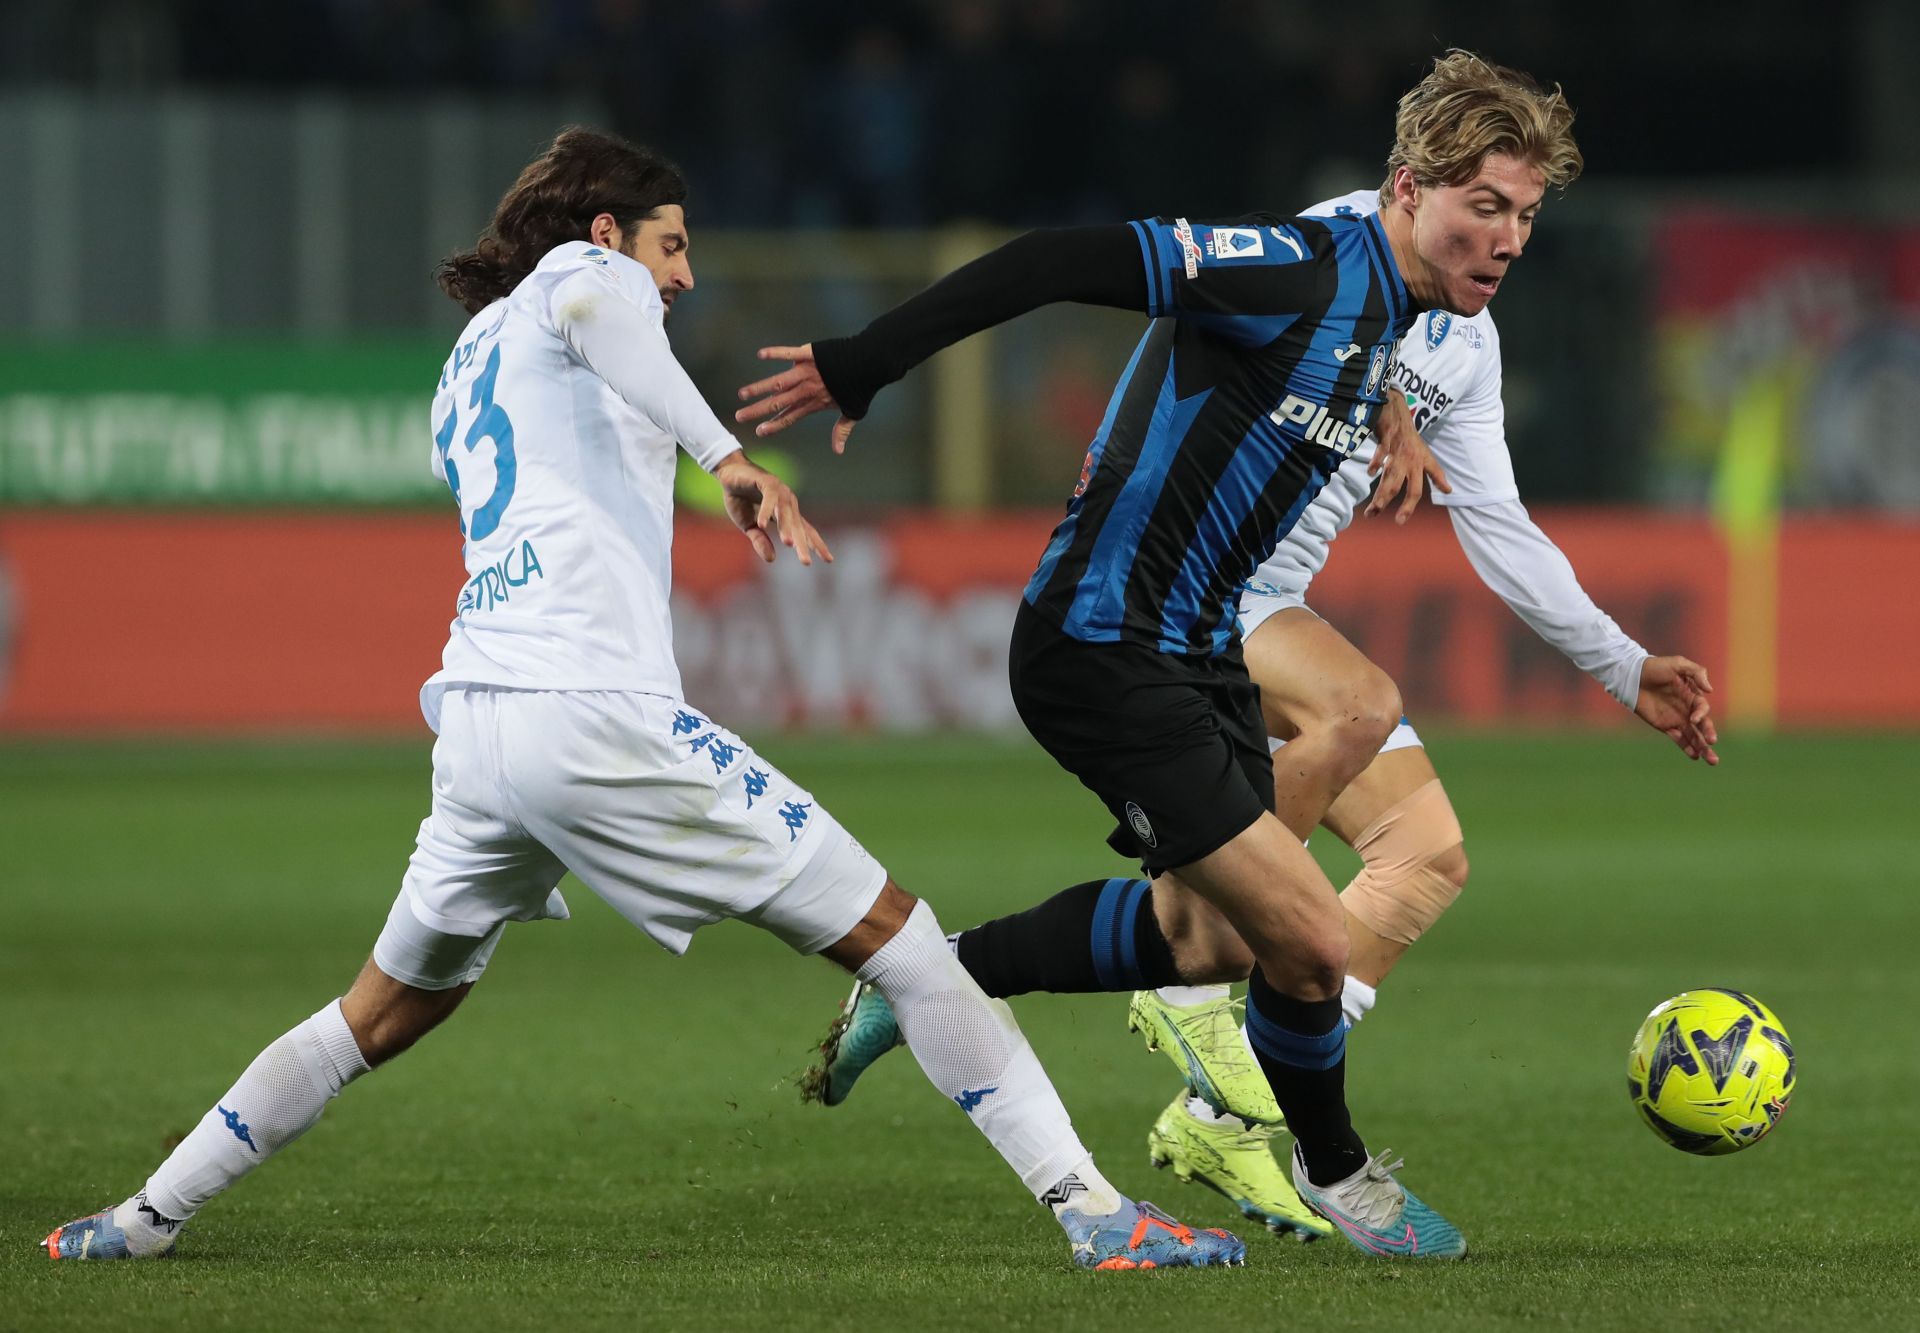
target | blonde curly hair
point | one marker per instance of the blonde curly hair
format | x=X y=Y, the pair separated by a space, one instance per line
x=1468 y=108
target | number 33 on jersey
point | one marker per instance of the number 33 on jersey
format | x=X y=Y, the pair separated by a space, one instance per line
x=487 y=444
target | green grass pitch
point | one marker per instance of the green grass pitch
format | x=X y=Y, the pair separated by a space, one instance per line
x=606 y=1137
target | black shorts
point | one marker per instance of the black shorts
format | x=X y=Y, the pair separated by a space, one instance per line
x=1175 y=746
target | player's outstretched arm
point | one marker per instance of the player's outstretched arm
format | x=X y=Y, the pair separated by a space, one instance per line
x=1098 y=265
x=766 y=509
x=1533 y=577
x=626 y=345
x=798 y=391
x=1402 y=461
x=1673 y=701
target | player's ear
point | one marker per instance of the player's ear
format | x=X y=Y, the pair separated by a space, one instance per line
x=604 y=232
x=1405 y=189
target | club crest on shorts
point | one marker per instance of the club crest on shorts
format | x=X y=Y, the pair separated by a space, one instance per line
x=1142 y=827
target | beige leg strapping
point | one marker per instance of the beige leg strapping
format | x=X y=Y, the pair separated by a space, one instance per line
x=1398 y=894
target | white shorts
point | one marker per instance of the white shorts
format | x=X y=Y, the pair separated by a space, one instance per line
x=667 y=815
x=1259 y=601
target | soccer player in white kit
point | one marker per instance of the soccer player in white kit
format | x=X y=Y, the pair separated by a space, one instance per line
x=565 y=742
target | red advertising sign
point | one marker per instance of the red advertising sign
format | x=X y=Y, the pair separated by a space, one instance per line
x=122 y=621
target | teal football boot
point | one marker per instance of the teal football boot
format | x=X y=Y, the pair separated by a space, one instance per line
x=864 y=1031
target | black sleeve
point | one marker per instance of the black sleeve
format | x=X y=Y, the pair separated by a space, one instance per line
x=1088 y=265
x=1241 y=279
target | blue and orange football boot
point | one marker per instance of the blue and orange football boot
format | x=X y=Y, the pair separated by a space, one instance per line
x=1139 y=1235
x=101 y=1237
x=93 y=1237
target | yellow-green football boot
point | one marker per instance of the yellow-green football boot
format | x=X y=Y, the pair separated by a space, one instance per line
x=1204 y=1041
x=1235 y=1160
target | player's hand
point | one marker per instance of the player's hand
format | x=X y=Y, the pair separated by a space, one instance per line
x=765 y=508
x=1402 y=461
x=778 y=401
x=1673 y=700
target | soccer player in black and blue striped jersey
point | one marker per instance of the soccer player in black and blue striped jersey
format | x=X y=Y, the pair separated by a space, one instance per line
x=1264 y=368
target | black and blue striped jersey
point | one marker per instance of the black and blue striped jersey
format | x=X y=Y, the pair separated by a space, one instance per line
x=1264 y=367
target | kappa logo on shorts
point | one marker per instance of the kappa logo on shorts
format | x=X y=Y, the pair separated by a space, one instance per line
x=1142 y=826
x=756 y=785
x=794 y=815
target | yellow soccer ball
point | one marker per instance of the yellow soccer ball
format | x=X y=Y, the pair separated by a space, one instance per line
x=1711 y=1071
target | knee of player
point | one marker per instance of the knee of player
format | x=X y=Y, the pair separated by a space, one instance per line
x=1320 y=974
x=1371 y=713
x=1313 y=965
x=1327 y=961
x=1451 y=866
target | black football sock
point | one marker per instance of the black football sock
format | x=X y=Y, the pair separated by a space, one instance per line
x=1097 y=936
x=1302 y=1049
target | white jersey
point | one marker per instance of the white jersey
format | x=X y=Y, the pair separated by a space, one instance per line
x=555 y=425
x=1449 y=368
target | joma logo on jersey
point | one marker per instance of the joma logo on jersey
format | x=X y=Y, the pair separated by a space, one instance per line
x=1320 y=427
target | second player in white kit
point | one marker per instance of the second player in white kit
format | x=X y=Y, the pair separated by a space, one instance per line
x=1395 y=812
x=1449 y=370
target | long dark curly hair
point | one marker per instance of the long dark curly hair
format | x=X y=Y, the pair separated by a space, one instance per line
x=581 y=174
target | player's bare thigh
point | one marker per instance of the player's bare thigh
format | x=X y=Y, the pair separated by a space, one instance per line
x=1307 y=672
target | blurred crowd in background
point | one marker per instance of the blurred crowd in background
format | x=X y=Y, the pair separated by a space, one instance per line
x=1746 y=225
x=1022 y=111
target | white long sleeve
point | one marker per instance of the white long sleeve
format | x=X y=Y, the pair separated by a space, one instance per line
x=628 y=349
x=1531 y=575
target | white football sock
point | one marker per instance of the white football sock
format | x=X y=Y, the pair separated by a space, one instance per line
x=275 y=1102
x=1356 y=997
x=973 y=1051
x=1185 y=997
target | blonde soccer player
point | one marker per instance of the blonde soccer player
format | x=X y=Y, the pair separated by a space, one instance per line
x=1152 y=558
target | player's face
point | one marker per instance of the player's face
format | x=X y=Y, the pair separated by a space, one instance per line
x=660 y=242
x=1467 y=235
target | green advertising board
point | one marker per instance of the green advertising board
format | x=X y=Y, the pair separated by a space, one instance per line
x=273 y=421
